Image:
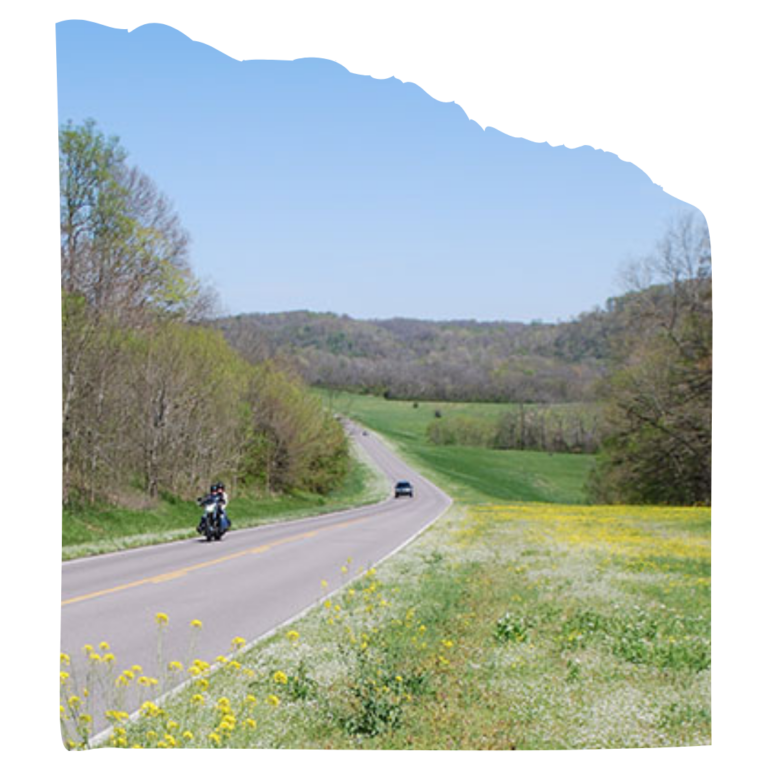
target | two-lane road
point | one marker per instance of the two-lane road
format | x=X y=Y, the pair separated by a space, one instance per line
x=245 y=585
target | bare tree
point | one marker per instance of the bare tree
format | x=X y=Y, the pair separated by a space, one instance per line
x=660 y=397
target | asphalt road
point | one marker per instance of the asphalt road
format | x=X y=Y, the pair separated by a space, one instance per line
x=246 y=585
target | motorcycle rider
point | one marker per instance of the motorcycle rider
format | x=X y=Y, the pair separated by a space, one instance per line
x=219 y=491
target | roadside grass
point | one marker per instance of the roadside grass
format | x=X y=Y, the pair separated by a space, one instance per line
x=101 y=529
x=509 y=624
x=505 y=626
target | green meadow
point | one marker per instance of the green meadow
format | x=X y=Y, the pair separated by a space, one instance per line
x=477 y=473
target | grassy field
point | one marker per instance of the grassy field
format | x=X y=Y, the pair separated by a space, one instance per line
x=509 y=624
x=464 y=471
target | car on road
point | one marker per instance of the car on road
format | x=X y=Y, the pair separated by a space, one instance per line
x=403 y=488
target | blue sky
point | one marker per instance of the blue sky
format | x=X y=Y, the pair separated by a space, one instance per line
x=304 y=186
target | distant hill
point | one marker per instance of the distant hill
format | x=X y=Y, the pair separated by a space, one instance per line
x=437 y=360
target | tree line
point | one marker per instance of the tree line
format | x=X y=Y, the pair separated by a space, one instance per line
x=153 y=399
x=658 y=396
x=524 y=428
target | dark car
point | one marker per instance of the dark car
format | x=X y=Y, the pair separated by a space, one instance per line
x=403 y=488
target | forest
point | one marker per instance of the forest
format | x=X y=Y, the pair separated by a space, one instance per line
x=462 y=360
x=155 y=401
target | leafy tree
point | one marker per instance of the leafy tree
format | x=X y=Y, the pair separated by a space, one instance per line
x=185 y=389
x=660 y=395
x=294 y=442
x=122 y=246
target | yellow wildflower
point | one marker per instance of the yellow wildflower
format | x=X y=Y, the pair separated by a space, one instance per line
x=161 y=619
x=280 y=678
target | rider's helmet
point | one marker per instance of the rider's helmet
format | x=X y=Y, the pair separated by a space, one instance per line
x=214 y=488
x=219 y=487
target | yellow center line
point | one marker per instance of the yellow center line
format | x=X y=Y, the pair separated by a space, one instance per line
x=163 y=577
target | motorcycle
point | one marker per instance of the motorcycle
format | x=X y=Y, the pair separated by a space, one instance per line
x=214 y=522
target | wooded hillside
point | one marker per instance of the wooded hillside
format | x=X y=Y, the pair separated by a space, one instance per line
x=428 y=360
x=458 y=360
